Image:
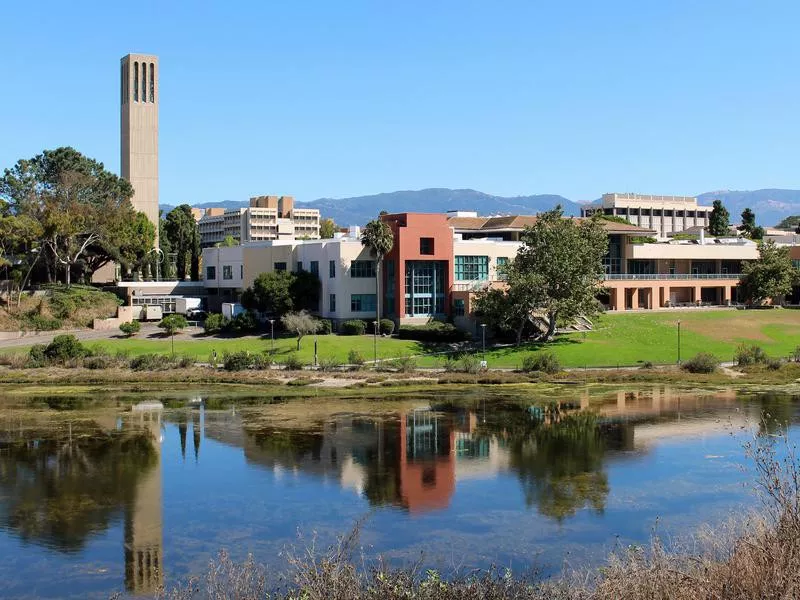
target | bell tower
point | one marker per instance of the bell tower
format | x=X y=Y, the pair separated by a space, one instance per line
x=139 y=96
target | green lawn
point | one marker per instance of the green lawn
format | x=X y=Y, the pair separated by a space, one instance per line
x=329 y=346
x=628 y=338
x=618 y=339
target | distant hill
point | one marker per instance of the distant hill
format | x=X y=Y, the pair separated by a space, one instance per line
x=770 y=206
x=361 y=209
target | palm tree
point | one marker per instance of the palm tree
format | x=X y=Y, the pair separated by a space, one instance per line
x=378 y=237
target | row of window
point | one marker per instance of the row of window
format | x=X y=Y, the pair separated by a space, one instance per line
x=227 y=272
x=656 y=212
x=144 y=81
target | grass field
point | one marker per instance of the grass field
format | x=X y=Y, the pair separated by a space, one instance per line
x=628 y=338
x=328 y=346
x=618 y=339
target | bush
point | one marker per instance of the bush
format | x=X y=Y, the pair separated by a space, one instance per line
x=151 y=362
x=354 y=358
x=36 y=356
x=403 y=364
x=244 y=322
x=100 y=361
x=329 y=364
x=262 y=362
x=172 y=324
x=466 y=363
x=703 y=362
x=796 y=354
x=131 y=328
x=542 y=362
x=293 y=363
x=63 y=348
x=353 y=327
x=774 y=364
x=42 y=323
x=432 y=332
x=237 y=361
x=324 y=327
x=214 y=323
x=749 y=355
x=386 y=327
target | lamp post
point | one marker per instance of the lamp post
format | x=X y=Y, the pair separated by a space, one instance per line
x=375 y=343
x=316 y=362
x=272 y=336
x=483 y=337
x=679 y=342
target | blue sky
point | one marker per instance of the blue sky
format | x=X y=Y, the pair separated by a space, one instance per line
x=347 y=98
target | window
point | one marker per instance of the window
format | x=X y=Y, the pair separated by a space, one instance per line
x=458 y=307
x=280 y=266
x=362 y=268
x=332 y=303
x=211 y=273
x=144 y=82
x=472 y=268
x=136 y=82
x=425 y=287
x=426 y=246
x=299 y=266
x=502 y=265
x=227 y=272
x=362 y=303
x=241 y=271
x=332 y=269
x=152 y=83
x=315 y=267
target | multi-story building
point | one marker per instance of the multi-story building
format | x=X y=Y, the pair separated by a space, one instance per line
x=267 y=218
x=439 y=264
x=663 y=214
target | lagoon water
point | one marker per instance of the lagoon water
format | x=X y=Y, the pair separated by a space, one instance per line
x=126 y=492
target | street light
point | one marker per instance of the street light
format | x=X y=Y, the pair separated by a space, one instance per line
x=375 y=343
x=483 y=336
x=679 y=342
x=315 y=349
x=272 y=336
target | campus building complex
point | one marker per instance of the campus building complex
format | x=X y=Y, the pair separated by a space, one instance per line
x=139 y=96
x=663 y=214
x=440 y=262
x=267 y=218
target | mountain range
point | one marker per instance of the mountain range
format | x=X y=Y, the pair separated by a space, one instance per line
x=770 y=205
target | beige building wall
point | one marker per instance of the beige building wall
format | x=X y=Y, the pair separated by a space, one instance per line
x=139 y=97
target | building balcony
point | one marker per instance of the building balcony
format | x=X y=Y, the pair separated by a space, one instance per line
x=669 y=276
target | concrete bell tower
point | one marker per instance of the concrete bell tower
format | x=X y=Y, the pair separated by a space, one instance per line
x=139 y=95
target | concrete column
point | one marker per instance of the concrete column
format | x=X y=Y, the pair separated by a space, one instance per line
x=635 y=298
x=618 y=298
x=697 y=295
x=726 y=295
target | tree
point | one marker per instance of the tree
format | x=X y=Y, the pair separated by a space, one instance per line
x=300 y=323
x=82 y=209
x=791 y=223
x=305 y=290
x=379 y=239
x=558 y=271
x=270 y=293
x=172 y=324
x=184 y=239
x=327 y=228
x=769 y=276
x=719 y=220
x=748 y=222
x=228 y=242
x=509 y=309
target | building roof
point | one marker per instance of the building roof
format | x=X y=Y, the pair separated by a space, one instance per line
x=520 y=222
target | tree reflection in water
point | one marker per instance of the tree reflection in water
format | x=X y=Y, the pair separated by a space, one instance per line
x=61 y=484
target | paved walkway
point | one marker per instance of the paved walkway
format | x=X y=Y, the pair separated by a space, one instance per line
x=45 y=337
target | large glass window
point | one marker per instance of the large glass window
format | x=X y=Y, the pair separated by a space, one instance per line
x=641 y=267
x=362 y=303
x=211 y=273
x=362 y=268
x=227 y=272
x=425 y=287
x=612 y=262
x=472 y=268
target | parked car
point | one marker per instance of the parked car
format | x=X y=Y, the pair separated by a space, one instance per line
x=196 y=314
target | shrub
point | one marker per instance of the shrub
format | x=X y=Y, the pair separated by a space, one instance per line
x=172 y=324
x=774 y=364
x=237 y=361
x=329 y=364
x=262 y=362
x=244 y=322
x=100 y=361
x=151 y=362
x=325 y=327
x=403 y=364
x=647 y=364
x=15 y=361
x=386 y=327
x=131 y=328
x=354 y=358
x=466 y=363
x=214 y=323
x=796 y=354
x=42 y=323
x=183 y=362
x=293 y=363
x=703 y=362
x=432 y=332
x=63 y=348
x=353 y=327
x=542 y=362
x=749 y=355
x=36 y=356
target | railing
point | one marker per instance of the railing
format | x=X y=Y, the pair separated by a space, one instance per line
x=657 y=276
x=471 y=286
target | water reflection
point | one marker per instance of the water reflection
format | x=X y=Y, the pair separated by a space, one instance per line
x=68 y=479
